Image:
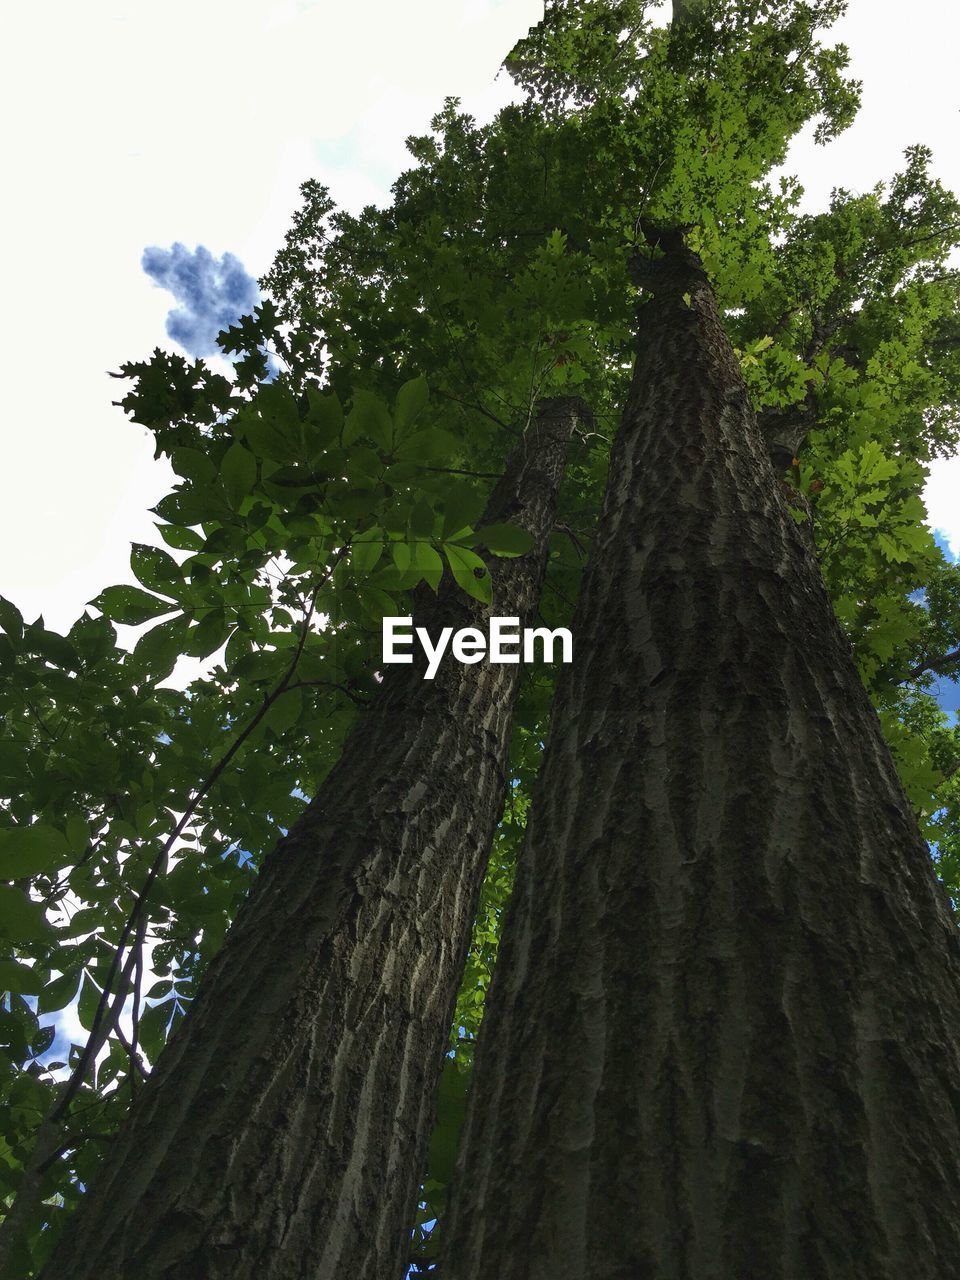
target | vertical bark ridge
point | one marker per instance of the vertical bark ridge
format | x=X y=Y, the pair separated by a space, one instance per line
x=283 y=1131
x=721 y=1042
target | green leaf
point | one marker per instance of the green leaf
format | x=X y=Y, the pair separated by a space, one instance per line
x=175 y=535
x=369 y=418
x=43 y=1040
x=271 y=424
x=87 y=1002
x=422 y=520
x=153 y=1026
x=209 y=634
x=505 y=539
x=11 y=619
x=26 y=851
x=285 y=711
x=469 y=572
x=462 y=507
x=146 y=817
x=21 y=919
x=892 y=550
x=238 y=471
x=157 y=651
x=401 y=555
x=399 y=472
x=155 y=568
x=376 y=604
x=87 y=920
x=238 y=646
x=131 y=605
x=874 y=465
x=54 y=647
x=365 y=555
x=411 y=401
x=58 y=993
x=326 y=416
x=78 y=834
x=432 y=445
x=425 y=559
x=20 y=979
x=193 y=465
x=192 y=506
x=363 y=466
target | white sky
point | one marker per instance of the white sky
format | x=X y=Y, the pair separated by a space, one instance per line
x=131 y=125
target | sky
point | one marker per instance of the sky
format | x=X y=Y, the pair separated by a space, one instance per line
x=155 y=162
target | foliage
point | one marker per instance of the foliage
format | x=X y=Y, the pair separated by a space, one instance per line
x=375 y=396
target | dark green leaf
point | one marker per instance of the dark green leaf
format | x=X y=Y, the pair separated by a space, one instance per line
x=365 y=555
x=505 y=539
x=209 y=634
x=411 y=401
x=131 y=605
x=368 y=419
x=155 y=568
x=183 y=539
x=157 y=651
x=238 y=471
x=21 y=919
x=55 y=648
x=192 y=507
x=422 y=520
x=326 y=416
x=11 y=619
x=43 y=1040
x=26 y=851
x=194 y=466
x=432 y=445
x=58 y=993
x=78 y=833
x=19 y=978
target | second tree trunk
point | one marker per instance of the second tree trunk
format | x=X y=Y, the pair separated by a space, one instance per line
x=721 y=1042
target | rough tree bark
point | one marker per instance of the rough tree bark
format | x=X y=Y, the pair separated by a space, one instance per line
x=722 y=1037
x=283 y=1132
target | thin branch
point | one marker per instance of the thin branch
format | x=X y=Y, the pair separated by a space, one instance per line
x=933 y=664
x=480 y=408
x=460 y=471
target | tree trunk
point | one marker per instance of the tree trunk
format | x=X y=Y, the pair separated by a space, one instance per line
x=721 y=1042
x=283 y=1132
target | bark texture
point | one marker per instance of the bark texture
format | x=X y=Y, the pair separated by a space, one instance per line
x=721 y=1041
x=283 y=1132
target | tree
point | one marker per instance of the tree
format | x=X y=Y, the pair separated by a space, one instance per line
x=312 y=1099
x=507 y=270
x=721 y=1039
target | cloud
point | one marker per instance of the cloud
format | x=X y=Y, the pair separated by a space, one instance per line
x=942 y=499
x=212 y=293
x=942 y=540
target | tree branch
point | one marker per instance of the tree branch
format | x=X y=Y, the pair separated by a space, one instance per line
x=933 y=664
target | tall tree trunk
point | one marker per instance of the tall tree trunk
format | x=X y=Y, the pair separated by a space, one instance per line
x=283 y=1132
x=722 y=1037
